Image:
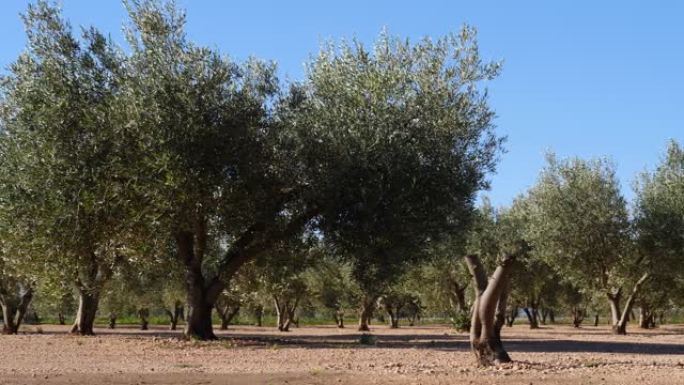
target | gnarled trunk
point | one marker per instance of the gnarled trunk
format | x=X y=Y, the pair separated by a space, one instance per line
x=198 y=324
x=285 y=311
x=393 y=313
x=14 y=308
x=596 y=320
x=365 y=313
x=227 y=313
x=532 y=317
x=61 y=319
x=488 y=310
x=200 y=304
x=577 y=316
x=621 y=326
x=175 y=315
x=614 y=298
x=88 y=301
x=646 y=317
x=201 y=295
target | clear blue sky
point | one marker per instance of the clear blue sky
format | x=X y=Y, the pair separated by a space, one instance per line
x=586 y=78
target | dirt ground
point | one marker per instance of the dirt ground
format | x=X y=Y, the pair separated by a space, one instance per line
x=427 y=355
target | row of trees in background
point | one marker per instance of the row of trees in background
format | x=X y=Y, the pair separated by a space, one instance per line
x=165 y=176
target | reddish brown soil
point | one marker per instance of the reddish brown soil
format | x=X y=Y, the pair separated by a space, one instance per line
x=556 y=355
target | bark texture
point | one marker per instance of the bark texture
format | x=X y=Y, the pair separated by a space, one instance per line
x=286 y=309
x=621 y=326
x=485 y=338
x=366 y=313
x=14 y=306
x=88 y=301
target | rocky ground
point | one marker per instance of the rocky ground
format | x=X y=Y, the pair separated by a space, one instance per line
x=327 y=355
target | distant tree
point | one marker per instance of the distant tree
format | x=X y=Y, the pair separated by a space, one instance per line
x=16 y=293
x=659 y=223
x=580 y=226
x=331 y=287
x=283 y=279
x=55 y=299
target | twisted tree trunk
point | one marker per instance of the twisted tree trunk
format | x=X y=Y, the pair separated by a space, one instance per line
x=578 y=315
x=485 y=338
x=531 y=314
x=88 y=301
x=365 y=313
x=175 y=315
x=14 y=306
x=621 y=326
x=227 y=313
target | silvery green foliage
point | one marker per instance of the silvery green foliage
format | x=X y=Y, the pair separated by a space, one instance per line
x=579 y=224
x=659 y=222
x=63 y=197
x=395 y=141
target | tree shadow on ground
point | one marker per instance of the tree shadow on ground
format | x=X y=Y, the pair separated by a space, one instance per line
x=437 y=341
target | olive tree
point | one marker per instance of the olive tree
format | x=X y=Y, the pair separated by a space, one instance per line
x=397 y=139
x=331 y=287
x=64 y=125
x=214 y=184
x=659 y=223
x=580 y=224
x=496 y=241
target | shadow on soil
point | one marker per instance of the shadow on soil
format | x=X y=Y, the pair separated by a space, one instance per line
x=447 y=342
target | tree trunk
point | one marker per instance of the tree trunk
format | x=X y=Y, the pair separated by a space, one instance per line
x=88 y=300
x=531 y=317
x=621 y=326
x=365 y=314
x=13 y=309
x=144 y=314
x=552 y=316
x=339 y=319
x=198 y=325
x=484 y=338
x=544 y=315
x=511 y=315
x=394 y=321
x=614 y=299
x=259 y=315
x=281 y=316
x=577 y=316
x=596 y=320
x=175 y=315
x=201 y=295
x=227 y=313
x=61 y=319
x=644 y=317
